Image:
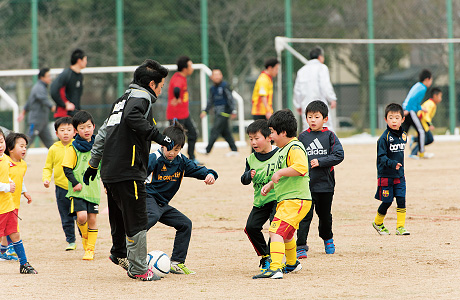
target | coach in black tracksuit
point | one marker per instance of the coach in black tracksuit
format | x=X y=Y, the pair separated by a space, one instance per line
x=124 y=144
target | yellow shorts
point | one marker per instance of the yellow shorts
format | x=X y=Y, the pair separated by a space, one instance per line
x=288 y=215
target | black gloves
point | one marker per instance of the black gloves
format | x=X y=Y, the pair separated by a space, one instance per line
x=168 y=143
x=89 y=174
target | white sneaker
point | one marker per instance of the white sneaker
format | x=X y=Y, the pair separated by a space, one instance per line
x=428 y=155
x=232 y=153
x=201 y=151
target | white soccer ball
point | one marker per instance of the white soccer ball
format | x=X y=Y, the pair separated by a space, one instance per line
x=159 y=262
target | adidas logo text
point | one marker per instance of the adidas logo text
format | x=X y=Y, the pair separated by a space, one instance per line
x=315 y=148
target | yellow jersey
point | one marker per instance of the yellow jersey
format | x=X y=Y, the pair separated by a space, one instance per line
x=54 y=162
x=17 y=173
x=427 y=117
x=263 y=88
x=6 y=198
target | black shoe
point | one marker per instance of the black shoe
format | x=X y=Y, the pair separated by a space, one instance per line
x=265 y=262
x=122 y=262
x=27 y=269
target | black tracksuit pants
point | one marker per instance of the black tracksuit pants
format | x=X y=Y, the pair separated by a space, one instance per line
x=221 y=127
x=256 y=220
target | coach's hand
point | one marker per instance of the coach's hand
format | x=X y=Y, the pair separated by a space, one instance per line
x=89 y=174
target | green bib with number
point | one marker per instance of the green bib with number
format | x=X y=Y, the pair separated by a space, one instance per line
x=264 y=171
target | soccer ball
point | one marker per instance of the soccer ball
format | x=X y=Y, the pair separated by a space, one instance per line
x=159 y=262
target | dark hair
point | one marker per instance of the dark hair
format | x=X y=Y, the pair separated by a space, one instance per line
x=271 y=62
x=11 y=140
x=61 y=121
x=43 y=72
x=259 y=126
x=435 y=91
x=81 y=117
x=424 y=75
x=76 y=55
x=177 y=133
x=283 y=120
x=182 y=62
x=394 y=107
x=148 y=71
x=316 y=52
x=317 y=106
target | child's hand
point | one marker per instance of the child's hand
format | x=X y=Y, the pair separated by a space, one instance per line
x=46 y=183
x=209 y=179
x=266 y=188
x=77 y=188
x=276 y=177
x=253 y=173
x=12 y=186
x=29 y=199
x=398 y=165
x=314 y=163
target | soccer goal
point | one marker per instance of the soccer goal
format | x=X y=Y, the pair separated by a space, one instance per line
x=367 y=74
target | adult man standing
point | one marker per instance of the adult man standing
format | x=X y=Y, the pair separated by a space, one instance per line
x=178 y=103
x=124 y=142
x=314 y=83
x=262 y=96
x=67 y=88
x=38 y=107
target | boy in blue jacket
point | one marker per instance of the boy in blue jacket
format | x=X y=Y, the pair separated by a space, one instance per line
x=165 y=172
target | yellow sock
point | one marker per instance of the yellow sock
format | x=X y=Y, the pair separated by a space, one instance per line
x=84 y=233
x=379 y=219
x=400 y=217
x=291 y=253
x=92 y=237
x=277 y=254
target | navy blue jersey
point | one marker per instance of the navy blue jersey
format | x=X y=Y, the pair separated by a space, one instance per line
x=165 y=176
x=390 y=152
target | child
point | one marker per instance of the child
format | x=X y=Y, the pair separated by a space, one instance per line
x=390 y=170
x=64 y=132
x=166 y=170
x=290 y=182
x=220 y=96
x=259 y=170
x=84 y=198
x=324 y=151
x=8 y=214
x=16 y=146
x=426 y=115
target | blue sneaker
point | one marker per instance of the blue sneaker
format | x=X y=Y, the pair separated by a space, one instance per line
x=265 y=262
x=292 y=268
x=10 y=250
x=329 y=246
x=301 y=253
x=5 y=256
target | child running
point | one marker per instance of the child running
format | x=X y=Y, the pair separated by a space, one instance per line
x=260 y=166
x=390 y=170
x=64 y=132
x=324 y=151
x=84 y=198
x=16 y=147
x=291 y=184
x=8 y=214
x=166 y=169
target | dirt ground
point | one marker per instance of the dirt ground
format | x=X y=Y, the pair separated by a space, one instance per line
x=424 y=265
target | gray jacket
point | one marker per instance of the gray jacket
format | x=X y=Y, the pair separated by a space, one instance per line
x=38 y=105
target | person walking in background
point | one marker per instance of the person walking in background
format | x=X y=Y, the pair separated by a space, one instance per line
x=67 y=88
x=313 y=82
x=38 y=106
x=262 y=96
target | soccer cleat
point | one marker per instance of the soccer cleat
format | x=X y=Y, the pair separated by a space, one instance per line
x=301 y=253
x=198 y=163
x=148 y=276
x=269 y=273
x=89 y=254
x=10 y=250
x=27 y=269
x=5 y=256
x=416 y=157
x=180 y=268
x=202 y=151
x=329 y=246
x=71 y=246
x=265 y=262
x=428 y=155
x=232 y=153
x=122 y=262
x=292 y=268
x=381 y=229
x=402 y=231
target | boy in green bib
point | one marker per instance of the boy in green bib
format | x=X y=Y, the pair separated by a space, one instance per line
x=84 y=198
x=259 y=170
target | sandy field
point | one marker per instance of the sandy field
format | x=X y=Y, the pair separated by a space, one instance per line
x=424 y=265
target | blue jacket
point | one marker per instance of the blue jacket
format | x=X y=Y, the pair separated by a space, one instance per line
x=390 y=152
x=165 y=176
x=413 y=101
x=220 y=96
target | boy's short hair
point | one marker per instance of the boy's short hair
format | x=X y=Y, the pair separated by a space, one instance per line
x=182 y=62
x=81 y=117
x=284 y=120
x=76 y=55
x=148 y=71
x=435 y=91
x=43 y=72
x=316 y=52
x=271 y=62
x=259 y=126
x=11 y=139
x=177 y=133
x=394 y=107
x=424 y=75
x=61 y=121
x=317 y=106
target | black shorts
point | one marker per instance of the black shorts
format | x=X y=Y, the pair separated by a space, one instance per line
x=79 y=204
